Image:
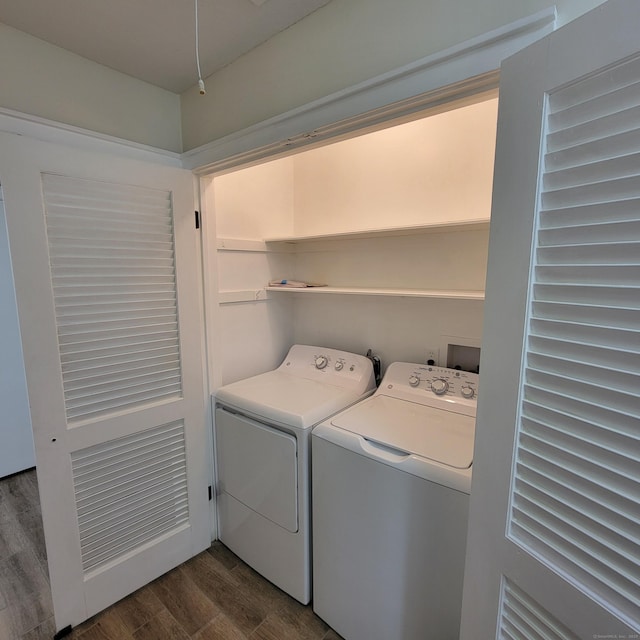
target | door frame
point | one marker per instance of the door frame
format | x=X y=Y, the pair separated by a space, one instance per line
x=462 y=74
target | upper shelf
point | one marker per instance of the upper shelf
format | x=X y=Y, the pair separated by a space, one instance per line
x=440 y=227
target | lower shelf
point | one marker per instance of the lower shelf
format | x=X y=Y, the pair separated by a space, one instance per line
x=402 y=293
x=259 y=295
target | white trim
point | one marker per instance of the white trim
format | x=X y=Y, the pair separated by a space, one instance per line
x=239 y=244
x=258 y=246
x=25 y=124
x=242 y=295
x=467 y=68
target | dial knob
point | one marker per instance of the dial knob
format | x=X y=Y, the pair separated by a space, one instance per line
x=439 y=386
x=467 y=391
x=339 y=365
x=321 y=362
x=414 y=381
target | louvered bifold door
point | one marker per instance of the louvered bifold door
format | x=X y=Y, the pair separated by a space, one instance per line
x=576 y=486
x=131 y=382
x=554 y=516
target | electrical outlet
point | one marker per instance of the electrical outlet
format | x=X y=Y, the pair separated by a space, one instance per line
x=432 y=354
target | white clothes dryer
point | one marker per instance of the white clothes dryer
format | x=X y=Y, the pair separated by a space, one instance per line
x=262 y=437
x=391 y=484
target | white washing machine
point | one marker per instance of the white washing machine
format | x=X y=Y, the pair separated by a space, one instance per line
x=391 y=483
x=262 y=435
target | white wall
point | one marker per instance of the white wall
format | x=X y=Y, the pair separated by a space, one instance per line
x=343 y=43
x=41 y=79
x=16 y=438
x=252 y=204
x=434 y=169
x=454 y=260
x=256 y=202
x=396 y=328
x=429 y=171
x=257 y=336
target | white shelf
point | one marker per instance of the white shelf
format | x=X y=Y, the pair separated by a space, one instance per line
x=365 y=291
x=266 y=245
x=287 y=244
x=441 y=227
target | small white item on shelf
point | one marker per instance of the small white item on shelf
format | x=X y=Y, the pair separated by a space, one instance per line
x=294 y=284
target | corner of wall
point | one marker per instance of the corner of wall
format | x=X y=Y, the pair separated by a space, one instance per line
x=46 y=81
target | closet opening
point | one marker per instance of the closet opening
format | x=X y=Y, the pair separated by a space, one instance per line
x=392 y=219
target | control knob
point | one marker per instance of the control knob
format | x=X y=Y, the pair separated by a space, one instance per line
x=439 y=386
x=321 y=362
x=339 y=365
x=414 y=381
x=467 y=391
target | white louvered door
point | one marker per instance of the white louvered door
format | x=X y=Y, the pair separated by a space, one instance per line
x=554 y=533
x=107 y=288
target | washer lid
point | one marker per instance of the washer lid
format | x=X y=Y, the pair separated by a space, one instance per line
x=286 y=399
x=431 y=433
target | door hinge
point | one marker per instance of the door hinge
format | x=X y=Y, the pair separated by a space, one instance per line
x=210 y=493
x=197 y=219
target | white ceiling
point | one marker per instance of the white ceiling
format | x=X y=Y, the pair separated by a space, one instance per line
x=154 y=40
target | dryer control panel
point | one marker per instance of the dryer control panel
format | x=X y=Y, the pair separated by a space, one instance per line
x=330 y=366
x=436 y=386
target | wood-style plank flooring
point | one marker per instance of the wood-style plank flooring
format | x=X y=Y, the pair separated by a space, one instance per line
x=214 y=596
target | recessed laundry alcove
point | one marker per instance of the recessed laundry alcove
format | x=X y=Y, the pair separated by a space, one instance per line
x=394 y=222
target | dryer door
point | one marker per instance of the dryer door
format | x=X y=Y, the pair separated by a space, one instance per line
x=257 y=466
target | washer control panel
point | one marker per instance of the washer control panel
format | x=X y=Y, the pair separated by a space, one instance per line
x=430 y=384
x=444 y=382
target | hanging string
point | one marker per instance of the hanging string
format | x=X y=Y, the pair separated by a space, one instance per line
x=200 y=80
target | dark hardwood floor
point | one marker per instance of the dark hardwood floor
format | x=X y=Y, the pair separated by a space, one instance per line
x=214 y=596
